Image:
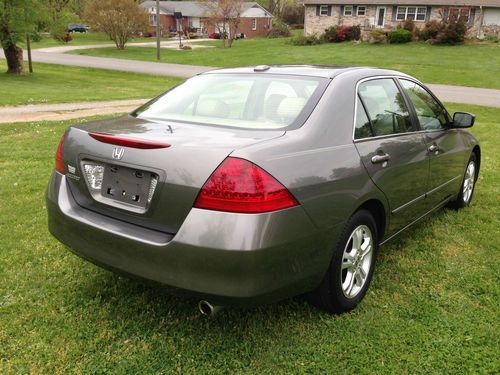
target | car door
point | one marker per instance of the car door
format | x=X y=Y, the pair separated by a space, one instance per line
x=392 y=149
x=445 y=146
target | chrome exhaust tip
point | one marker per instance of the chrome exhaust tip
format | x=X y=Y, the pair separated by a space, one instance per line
x=207 y=309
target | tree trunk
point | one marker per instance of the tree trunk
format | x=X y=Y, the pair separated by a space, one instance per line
x=14 y=57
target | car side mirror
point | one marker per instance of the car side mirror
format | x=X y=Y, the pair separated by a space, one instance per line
x=463 y=120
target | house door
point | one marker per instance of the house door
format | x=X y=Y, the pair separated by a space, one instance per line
x=380 y=16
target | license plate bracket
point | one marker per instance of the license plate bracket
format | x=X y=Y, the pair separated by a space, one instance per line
x=126 y=185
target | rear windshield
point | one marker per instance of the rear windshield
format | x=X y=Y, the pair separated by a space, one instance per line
x=240 y=101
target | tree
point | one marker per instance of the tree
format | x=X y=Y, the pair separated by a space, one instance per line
x=119 y=19
x=17 y=19
x=225 y=16
x=280 y=8
x=78 y=6
x=60 y=15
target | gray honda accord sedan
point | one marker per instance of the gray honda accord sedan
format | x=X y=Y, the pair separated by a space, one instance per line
x=251 y=185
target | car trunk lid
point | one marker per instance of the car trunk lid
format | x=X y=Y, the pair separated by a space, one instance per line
x=165 y=180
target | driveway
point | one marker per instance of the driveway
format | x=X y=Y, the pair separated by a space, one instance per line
x=55 y=55
x=170 y=44
x=66 y=111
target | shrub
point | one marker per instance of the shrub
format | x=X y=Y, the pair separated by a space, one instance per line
x=119 y=19
x=378 y=36
x=330 y=34
x=409 y=25
x=492 y=38
x=400 y=36
x=431 y=30
x=302 y=40
x=60 y=34
x=279 y=30
x=337 y=34
x=341 y=34
x=354 y=33
x=58 y=26
x=453 y=32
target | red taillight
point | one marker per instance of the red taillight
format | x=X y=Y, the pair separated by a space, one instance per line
x=127 y=142
x=238 y=185
x=59 y=154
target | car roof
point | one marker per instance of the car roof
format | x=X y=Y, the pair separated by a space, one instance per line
x=323 y=71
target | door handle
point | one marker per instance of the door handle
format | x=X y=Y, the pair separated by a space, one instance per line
x=434 y=147
x=380 y=158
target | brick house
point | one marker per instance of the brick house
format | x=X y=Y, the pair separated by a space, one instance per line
x=482 y=16
x=255 y=20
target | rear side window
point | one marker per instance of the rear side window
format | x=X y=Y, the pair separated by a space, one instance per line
x=386 y=107
x=363 y=126
x=248 y=101
x=431 y=115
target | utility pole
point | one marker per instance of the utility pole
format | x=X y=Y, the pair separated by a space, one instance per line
x=28 y=46
x=158 y=30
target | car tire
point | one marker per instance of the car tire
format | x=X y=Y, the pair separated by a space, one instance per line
x=351 y=268
x=466 y=192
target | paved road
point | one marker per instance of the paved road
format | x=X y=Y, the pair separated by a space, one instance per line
x=467 y=95
x=456 y=94
x=146 y=67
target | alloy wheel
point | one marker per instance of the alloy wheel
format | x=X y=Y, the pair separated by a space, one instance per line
x=470 y=176
x=356 y=261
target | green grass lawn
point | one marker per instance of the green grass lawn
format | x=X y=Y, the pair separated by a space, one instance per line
x=433 y=306
x=476 y=65
x=60 y=84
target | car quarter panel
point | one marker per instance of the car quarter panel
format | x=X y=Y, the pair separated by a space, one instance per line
x=319 y=162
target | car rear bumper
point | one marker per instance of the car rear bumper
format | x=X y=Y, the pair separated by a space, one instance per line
x=231 y=258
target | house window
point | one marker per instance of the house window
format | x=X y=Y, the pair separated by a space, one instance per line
x=361 y=11
x=254 y=24
x=411 y=13
x=323 y=10
x=460 y=13
x=152 y=19
x=348 y=10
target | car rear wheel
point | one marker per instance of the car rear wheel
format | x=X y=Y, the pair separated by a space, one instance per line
x=469 y=182
x=351 y=269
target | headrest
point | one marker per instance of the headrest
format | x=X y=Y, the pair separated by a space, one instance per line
x=212 y=108
x=290 y=108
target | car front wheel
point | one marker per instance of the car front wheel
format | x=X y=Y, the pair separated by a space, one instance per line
x=351 y=268
x=467 y=188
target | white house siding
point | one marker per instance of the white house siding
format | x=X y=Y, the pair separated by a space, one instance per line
x=490 y=22
x=491 y=17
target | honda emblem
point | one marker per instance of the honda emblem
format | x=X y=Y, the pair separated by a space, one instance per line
x=118 y=153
